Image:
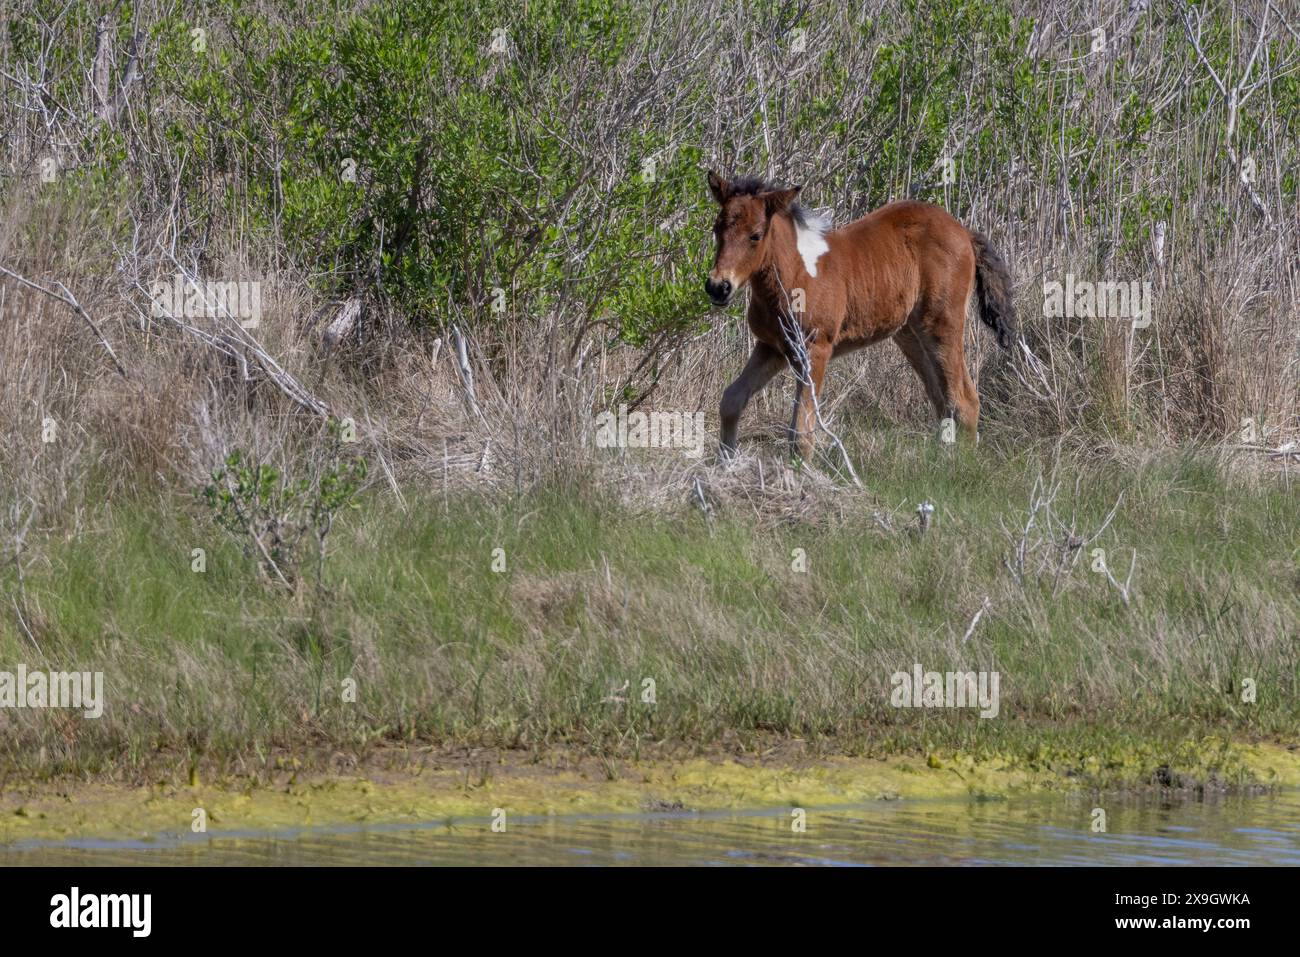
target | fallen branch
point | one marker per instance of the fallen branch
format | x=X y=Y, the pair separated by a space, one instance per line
x=466 y=372
x=235 y=347
x=343 y=323
x=66 y=297
x=984 y=606
x=1289 y=450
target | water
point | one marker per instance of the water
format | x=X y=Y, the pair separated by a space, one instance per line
x=1235 y=830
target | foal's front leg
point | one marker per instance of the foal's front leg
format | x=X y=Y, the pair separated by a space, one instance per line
x=808 y=400
x=764 y=362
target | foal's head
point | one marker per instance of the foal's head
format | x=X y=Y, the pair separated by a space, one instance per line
x=746 y=209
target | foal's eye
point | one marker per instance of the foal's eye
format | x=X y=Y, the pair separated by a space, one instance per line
x=755 y=237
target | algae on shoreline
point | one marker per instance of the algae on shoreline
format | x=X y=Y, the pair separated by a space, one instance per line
x=476 y=789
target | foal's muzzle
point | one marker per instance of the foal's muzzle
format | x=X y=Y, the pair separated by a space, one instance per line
x=719 y=292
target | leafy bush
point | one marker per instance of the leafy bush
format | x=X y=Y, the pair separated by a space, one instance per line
x=276 y=517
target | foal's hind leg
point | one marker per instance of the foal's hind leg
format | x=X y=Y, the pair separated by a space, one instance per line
x=950 y=355
x=926 y=369
x=934 y=348
x=764 y=362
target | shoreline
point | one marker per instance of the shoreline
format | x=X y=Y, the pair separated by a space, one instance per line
x=433 y=787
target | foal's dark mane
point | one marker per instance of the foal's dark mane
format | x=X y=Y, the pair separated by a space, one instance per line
x=753 y=185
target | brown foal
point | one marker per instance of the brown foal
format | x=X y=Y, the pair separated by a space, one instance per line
x=905 y=271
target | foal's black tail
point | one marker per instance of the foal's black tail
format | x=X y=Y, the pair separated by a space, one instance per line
x=993 y=287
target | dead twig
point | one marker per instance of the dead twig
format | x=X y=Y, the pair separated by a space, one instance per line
x=65 y=296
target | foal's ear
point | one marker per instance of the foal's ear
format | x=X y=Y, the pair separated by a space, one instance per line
x=719 y=187
x=779 y=200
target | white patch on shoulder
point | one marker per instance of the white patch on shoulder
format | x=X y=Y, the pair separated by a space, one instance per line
x=810 y=237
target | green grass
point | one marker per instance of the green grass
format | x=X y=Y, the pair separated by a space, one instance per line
x=742 y=649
